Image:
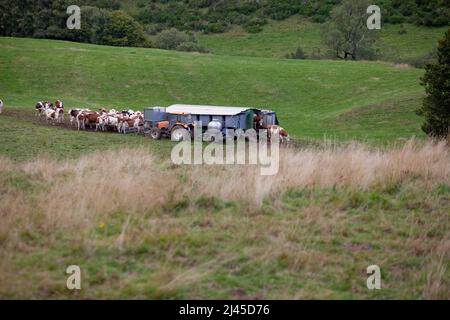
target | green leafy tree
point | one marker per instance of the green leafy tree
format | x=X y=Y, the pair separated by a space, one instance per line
x=436 y=105
x=347 y=34
x=122 y=30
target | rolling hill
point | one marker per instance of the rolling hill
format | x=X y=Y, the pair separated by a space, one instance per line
x=403 y=43
x=312 y=98
x=141 y=227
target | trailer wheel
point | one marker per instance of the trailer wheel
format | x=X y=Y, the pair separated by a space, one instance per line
x=155 y=133
x=180 y=134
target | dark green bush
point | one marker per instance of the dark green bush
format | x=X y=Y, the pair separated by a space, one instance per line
x=170 y=39
x=174 y=39
x=298 y=54
x=254 y=25
x=215 y=28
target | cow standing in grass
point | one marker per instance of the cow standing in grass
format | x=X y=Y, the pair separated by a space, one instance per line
x=87 y=117
x=59 y=111
x=73 y=116
x=39 y=109
x=102 y=120
x=50 y=114
x=275 y=130
x=42 y=107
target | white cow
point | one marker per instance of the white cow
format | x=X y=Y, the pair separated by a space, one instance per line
x=139 y=124
x=113 y=121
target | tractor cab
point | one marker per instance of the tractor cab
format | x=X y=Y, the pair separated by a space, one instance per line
x=176 y=125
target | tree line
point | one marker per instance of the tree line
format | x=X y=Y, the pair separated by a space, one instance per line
x=219 y=15
x=101 y=22
x=46 y=18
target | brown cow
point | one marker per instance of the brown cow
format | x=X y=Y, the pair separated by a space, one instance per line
x=86 y=117
x=59 y=104
x=59 y=111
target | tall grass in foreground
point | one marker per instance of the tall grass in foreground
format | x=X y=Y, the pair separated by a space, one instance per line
x=73 y=195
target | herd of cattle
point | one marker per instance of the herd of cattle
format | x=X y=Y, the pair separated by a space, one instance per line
x=102 y=120
x=112 y=120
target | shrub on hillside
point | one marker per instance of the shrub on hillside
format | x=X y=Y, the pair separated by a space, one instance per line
x=153 y=29
x=280 y=10
x=215 y=28
x=104 y=4
x=254 y=25
x=429 y=13
x=298 y=54
x=174 y=39
x=170 y=39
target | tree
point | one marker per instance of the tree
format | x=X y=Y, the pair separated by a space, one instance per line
x=94 y=21
x=347 y=34
x=122 y=30
x=436 y=105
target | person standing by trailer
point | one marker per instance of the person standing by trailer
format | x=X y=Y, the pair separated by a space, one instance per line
x=1 y=105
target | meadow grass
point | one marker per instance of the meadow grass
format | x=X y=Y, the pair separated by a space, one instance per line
x=144 y=228
x=24 y=137
x=310 y=97
x=279 y=38
x=141 y=227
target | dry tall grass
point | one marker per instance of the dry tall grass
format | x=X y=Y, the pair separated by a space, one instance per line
x=73 y=194
x=74 y=191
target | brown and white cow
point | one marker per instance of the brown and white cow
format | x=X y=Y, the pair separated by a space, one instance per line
x=275 y=130
x=42 y=107
x=59 y=104
x=73 y=116
x=87 y=117
x=50 y=114
x=39 y=109
x=59 y=111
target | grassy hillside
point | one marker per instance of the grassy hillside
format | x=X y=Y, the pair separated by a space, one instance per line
x=141 y=227
x=281 y=37
x=311 y=97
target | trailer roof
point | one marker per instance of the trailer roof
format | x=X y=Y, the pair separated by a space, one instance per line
x=206 y=110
